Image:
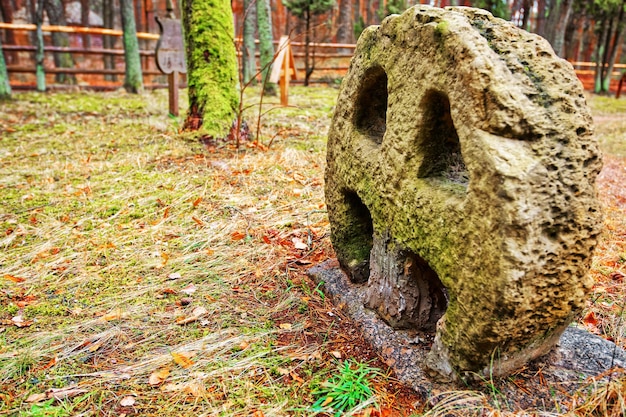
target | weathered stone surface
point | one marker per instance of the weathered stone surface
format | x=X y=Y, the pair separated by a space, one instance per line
x=462 y=142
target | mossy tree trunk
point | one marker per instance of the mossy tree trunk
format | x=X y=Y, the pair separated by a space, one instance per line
x=133 y=79
x=266 y=46
x=211 y=66
x=5 y=87
x=249 y=47
x=56 y=16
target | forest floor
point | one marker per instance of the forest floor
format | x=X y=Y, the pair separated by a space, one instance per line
x=145 y=274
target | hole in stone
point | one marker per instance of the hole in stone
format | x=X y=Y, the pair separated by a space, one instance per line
x=439 y=142
x=354 y=240
x=433 y=299
x=371 y=104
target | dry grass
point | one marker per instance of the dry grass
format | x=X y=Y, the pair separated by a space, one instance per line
x=115 y=232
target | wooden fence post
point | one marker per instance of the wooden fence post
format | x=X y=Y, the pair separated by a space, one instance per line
x=284 y=69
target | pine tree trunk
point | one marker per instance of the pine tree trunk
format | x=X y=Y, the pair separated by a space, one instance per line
x=7 y=14
x=56 y=15
x=211 y=67
x=560 y=17
x=266 y=46
x=108 y=42
x=5 y=87
x=133 y=78
x=249 y=47
x=84 y=20
x=345 y=32
x=599 y=55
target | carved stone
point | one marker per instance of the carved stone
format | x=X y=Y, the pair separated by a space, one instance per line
x=461 y=171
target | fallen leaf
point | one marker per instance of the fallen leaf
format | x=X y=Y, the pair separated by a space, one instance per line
x=50 y=364
x=64 y=393
x=244 y=345
x=112 y=315
x=174 y=275
x=336 y=354
x=195 y=315
x=299 y=244
x=327 y=401
x=258 y=413
x=14 y=278
x=590 y=319
x=183 y=359
x=237 y=235
x=189 y=289
x=285 y=326
x=35 y=398
x=19 y=321
x=157 y=377
x=128 y=401
x=197 y=201
x=296 y=377
x=198 y=221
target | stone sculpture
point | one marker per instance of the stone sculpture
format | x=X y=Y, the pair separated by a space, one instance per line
x=460 y=186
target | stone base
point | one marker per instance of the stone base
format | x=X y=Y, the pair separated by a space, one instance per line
x=577 y=356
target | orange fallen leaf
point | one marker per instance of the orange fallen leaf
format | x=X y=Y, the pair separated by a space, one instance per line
x=258 y=413
x=197 y=201
x=197 y=220
x=50 y=364
x=112 y=315
x=157 y=377
x=14 y=278
x=590 y=319
x=237 y=235
x=183 y=359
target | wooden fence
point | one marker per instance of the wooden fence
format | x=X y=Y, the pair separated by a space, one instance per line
x=331 y=61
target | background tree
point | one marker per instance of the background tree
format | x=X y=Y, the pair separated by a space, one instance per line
x=211 y=66
x=6 y=10
x=5 y=87
x=133 y=79
x=108 y=42
x=248 y=61
x=266 y=45
x=345 y=22
x=40 y=74
x=306 y=10
x=56 y=16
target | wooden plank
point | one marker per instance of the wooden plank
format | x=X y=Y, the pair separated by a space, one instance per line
x=91 y=51
x=13 y=69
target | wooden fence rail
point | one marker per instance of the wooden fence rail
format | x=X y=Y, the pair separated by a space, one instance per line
x=332 y=59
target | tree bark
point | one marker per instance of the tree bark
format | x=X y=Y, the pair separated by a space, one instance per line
x=39 y=54
x=84 y=20
x=557 y=22
x=7 y=15
x=266 y=46
x=133 y=78
x=56 y=16
x=616 y=43
x=345 y=32
x=108 y=42
x=211 y=67
x=5 y=87
x=248 y=46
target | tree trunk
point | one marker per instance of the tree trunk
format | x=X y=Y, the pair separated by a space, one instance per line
x=108 y=42
x=84 y=20
x=600 y=54
x=540 y=28
x=5 y=87
x=133 y=78
x=7 y=14
x=307 y=42
x=559 y=18
x=527 y=6
x=616 y=43
x=266 y=47
x=211 y=66
x=39 y=54
x=248 y=46
x=56 y=16
x=345 y=32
